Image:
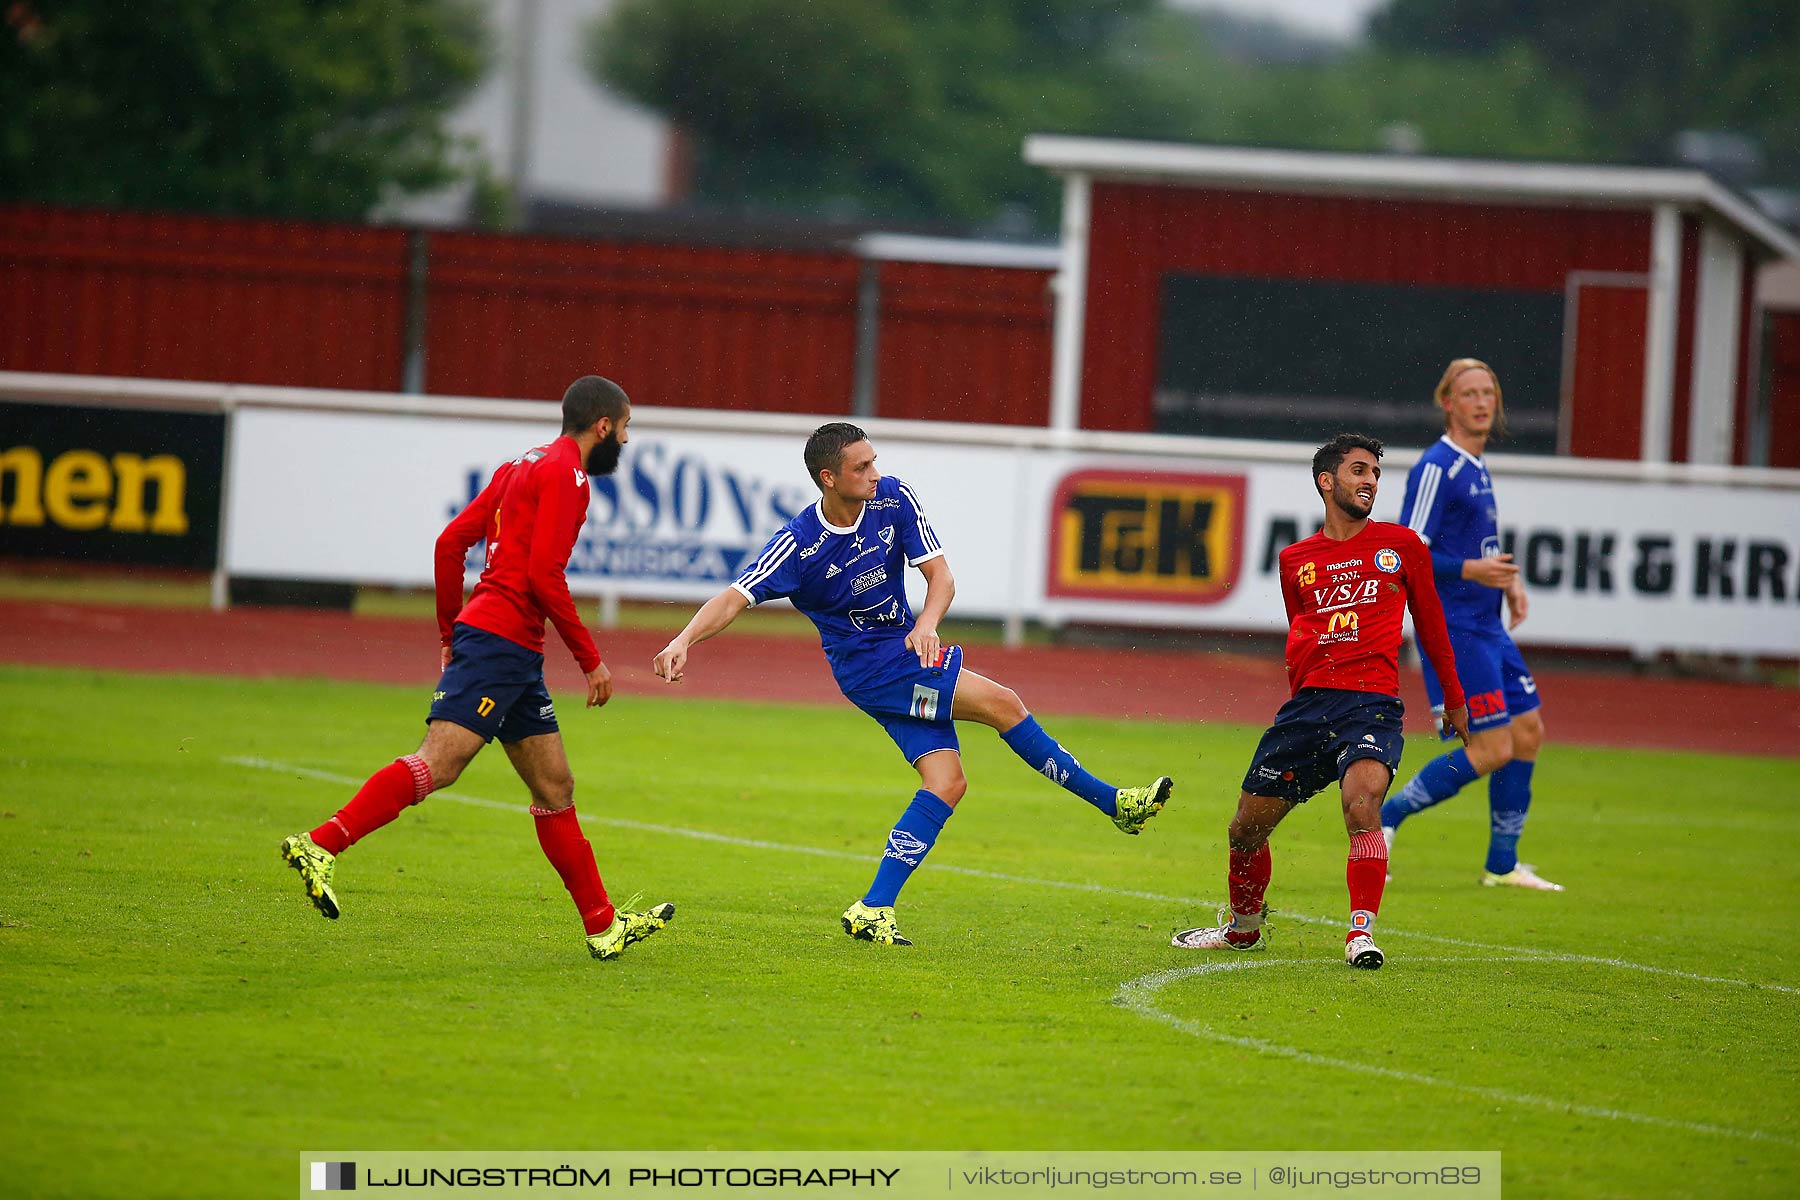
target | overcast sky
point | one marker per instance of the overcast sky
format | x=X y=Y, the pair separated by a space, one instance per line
x=1327 y=18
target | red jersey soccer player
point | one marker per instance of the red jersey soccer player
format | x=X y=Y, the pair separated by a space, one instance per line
x=493 y=665
x=1345 y=588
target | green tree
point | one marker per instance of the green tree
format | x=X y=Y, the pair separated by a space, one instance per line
x=914 y=109
x=1646 y=68
x=290 y=107
x=1498 y=104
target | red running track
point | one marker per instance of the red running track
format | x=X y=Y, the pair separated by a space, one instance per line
x=1581 y=708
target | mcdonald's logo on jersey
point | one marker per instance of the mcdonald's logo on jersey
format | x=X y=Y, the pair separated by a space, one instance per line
x=1146 y=535
x=1343 y=620
x=1342 y=627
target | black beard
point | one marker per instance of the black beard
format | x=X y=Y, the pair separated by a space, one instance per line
x=603 y=459
x=1353 y=508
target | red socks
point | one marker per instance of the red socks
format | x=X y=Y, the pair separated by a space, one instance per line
x=559 y=833
x=1366 y=873
x=1247 y=880
x=401 y=783
x=406 y=781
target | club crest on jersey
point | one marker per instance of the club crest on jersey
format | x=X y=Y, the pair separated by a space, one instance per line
x=1387 y=559
x=887 y=536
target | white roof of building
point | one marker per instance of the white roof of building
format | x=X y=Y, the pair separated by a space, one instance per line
x=901 y=247
x=1587 y=185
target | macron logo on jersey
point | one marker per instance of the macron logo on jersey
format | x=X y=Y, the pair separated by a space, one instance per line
x=580 y=479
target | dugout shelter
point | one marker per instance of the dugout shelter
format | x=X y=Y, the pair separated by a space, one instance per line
x=1237 y=292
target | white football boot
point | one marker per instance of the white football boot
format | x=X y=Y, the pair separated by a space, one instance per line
x=1524 y=875
x=1361 y=951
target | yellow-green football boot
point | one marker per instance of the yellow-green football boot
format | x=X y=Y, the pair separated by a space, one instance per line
x=314 y=864
x=629 y=927
x=867 y=924
x=1137 y=805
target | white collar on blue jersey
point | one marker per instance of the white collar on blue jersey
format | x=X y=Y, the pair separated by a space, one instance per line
x=1472 y=458
x=819 y=508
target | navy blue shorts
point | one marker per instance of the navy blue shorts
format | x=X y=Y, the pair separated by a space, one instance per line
x=1493 y=675
x=913 y=703
x=1315 y=738
x=493 y=686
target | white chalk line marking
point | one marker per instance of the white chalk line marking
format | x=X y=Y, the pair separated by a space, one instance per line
x=1523 y=952
x=1139 y=996
x=1133 y=994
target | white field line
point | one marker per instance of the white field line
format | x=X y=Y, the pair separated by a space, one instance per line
x=1094 y=888
x=1139 y=996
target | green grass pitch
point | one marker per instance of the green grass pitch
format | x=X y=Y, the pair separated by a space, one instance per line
x=175 y=1020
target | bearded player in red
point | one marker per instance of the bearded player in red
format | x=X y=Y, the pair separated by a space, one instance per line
x=493 y=665
x=1345 y=589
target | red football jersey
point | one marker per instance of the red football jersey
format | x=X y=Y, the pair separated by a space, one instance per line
x=1344 y=605
x=530 y=514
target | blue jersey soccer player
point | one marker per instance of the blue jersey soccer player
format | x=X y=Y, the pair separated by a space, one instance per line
x=1450 y=503
x=843 y=563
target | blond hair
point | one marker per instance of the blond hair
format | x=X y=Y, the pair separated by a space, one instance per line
x=1457 y=367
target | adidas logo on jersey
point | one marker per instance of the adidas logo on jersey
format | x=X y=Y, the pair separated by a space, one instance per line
x=832 y=570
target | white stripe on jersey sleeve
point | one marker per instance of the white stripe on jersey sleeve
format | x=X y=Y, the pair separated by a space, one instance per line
x=1429 y=479
x=776 y=550
x=927 y=536
x=772 y=557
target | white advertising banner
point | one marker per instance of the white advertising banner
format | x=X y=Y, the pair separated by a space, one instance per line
x=1632 y=565
x=1033 y=531
x=362 y=497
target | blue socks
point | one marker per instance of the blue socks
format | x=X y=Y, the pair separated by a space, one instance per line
x=1436 y=782
x=1043 y=755
x=1509 y=798
x=912 y=838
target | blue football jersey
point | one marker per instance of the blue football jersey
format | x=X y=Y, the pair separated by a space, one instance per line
x=1450 y=504
x=851 y=582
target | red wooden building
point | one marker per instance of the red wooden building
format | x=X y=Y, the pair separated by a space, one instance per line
x=885 y=325
x=1776 y=437
x=1245 y=292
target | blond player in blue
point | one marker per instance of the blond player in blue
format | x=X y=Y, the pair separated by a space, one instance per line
x=843 y=563
x=1450 y=505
